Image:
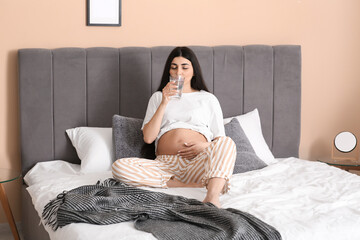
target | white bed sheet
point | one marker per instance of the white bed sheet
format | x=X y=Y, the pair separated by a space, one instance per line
x=301 y=199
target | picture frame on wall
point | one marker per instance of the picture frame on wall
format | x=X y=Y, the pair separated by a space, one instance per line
x=103 y=13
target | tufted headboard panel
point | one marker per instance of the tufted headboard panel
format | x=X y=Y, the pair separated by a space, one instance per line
x=70 y=87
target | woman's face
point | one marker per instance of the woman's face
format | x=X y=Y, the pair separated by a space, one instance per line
x=182 y=66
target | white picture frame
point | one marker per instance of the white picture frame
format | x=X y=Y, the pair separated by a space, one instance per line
x=103 y=13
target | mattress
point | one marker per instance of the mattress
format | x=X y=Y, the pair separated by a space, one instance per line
x=301 y=199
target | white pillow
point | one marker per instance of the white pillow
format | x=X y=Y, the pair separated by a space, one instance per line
x=93 y=146
x=250 y=123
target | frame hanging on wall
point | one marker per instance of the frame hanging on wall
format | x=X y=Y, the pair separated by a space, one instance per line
x=103 y=13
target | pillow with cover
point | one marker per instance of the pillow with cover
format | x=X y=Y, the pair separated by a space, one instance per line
x=128 y=139
x=93 y=146
x=246 y=159
x=250 y=123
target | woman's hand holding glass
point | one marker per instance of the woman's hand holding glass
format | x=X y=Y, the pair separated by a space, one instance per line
x=192 y=149
x=169 y=90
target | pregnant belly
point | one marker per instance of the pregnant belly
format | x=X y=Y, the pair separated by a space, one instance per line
x=172 y=141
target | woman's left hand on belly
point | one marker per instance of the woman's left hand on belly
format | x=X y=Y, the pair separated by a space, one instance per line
x=192 y=149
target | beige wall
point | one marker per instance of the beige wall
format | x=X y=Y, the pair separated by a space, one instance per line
x=327 y=30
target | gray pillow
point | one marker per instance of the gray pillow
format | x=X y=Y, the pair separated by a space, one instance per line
x=246 y=159
x=128 y=139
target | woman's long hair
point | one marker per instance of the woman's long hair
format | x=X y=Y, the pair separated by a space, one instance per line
x=197 y=81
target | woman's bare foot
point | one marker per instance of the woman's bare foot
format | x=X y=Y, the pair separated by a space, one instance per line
x=176 y=183
x=213 y=199
x=214 y=186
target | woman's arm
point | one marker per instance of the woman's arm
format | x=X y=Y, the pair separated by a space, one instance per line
x=152 y=128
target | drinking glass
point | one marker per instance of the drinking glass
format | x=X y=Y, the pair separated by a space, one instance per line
x=179 y=81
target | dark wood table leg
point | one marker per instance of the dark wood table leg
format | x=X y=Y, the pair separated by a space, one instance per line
x=8 y=213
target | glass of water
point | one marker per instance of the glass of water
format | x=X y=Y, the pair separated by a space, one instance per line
x=179 y=81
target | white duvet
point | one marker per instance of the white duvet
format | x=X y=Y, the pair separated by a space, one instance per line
x=301 y=199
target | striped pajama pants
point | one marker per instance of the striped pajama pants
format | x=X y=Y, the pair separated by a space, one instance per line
x=215 y=161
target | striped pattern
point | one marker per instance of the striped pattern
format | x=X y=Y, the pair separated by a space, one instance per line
x=217 y=160
x=165 y=216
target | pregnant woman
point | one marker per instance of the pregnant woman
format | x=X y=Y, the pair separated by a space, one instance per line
x=189 y=135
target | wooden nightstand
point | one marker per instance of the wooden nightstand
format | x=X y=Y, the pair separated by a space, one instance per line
x=343 y=164
x=7 y=175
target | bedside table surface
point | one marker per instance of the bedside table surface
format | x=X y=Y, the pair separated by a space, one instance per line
x=8 y=175
x=341 y=162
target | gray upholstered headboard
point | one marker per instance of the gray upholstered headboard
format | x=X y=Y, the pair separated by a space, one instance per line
x=70 y=87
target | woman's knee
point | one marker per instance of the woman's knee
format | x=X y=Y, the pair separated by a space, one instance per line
x=121 y=166
x=226 y=140
x=120 y=162
x=229 y=146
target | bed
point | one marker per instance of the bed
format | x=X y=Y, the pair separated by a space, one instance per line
x=65 y=88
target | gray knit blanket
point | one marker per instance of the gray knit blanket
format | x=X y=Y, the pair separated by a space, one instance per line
x=165 y=216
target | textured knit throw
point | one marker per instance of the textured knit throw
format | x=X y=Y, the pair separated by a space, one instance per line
x=165 y=216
